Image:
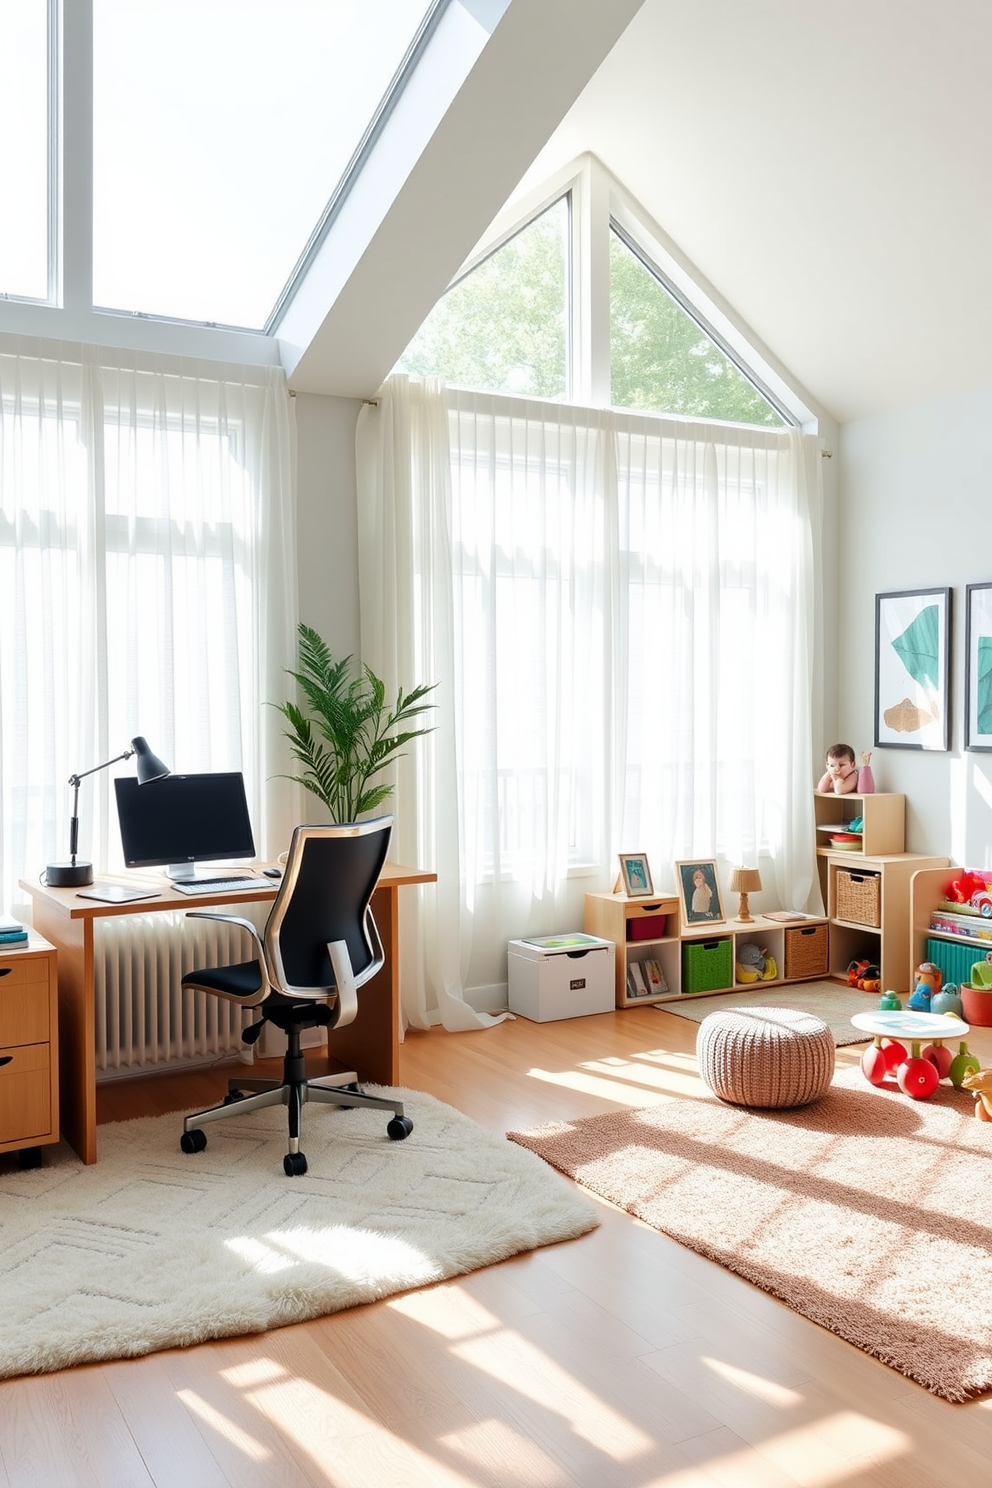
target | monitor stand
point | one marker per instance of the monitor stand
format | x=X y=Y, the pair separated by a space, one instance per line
x=186 y=873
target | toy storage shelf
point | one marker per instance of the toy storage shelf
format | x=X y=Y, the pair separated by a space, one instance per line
x=868 y=905
x=927 y=891
x=700 y=960
x=883 y=817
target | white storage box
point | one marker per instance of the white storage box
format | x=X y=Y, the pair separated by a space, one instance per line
x=561 y=976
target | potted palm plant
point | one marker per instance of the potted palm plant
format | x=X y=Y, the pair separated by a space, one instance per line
x=346 y=732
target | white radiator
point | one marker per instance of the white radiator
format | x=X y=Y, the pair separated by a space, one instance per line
x=144 y=1019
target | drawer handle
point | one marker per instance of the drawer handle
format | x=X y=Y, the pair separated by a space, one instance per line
x=6 y=1059
x=5 y=970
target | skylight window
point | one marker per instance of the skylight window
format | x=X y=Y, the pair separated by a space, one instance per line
x=24 y=175
x=220 y=131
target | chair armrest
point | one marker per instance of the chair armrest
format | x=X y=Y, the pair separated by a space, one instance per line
x=228 y=919
x=344 y=980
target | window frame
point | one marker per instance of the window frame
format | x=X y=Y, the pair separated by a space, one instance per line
x=599 y=205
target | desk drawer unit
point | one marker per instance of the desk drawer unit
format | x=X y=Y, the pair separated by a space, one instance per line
x=28 y=1048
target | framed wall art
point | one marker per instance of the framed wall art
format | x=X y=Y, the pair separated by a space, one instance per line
x=978 y=667
x=699 y=892
x=912 y=669
x=636 y=875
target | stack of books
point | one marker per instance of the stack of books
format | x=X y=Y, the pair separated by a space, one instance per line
x=949 y=921
x=12 y=932
x=646 y=978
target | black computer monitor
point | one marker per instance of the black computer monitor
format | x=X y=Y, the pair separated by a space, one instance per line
x=184 y=819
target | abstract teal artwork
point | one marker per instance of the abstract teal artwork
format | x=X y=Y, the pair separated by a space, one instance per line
x=912 y=667
x=918 y=648
x=983 y=686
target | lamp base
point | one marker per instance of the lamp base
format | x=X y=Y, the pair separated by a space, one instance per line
x=68 y=875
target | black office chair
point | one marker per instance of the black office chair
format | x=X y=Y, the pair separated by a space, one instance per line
x=320 y=944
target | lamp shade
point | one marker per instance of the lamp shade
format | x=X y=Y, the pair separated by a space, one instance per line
x=149 y=766
x=744 y=881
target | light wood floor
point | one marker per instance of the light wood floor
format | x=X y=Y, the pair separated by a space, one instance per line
x=618 y=1360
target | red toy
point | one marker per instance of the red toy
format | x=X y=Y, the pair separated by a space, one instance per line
x=864 y=974
x=971 y=889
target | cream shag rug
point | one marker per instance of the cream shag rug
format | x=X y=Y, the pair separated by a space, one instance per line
x=866 y=1212
x=149 y=1248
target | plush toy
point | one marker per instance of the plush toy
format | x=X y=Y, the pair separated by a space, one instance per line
x=755 y=965
x=947 y=1000
x=980 y=1085
x=928 y=979
x=972 y=891
x=864 y=975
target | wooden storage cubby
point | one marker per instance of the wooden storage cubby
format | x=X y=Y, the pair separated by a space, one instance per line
x=888 y=943
x=615 y=916
x=884 y=825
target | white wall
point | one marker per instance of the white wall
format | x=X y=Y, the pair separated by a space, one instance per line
x=327 y=518
x=915 y=513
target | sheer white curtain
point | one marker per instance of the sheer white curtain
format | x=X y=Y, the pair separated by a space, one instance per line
x=619 y=612
x=147 y=585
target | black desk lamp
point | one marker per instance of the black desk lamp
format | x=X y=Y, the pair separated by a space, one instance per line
x=76 y=873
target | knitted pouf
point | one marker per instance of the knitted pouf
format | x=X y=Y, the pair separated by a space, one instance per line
x=768 y=1057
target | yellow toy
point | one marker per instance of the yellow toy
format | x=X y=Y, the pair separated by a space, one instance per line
x=755 y=965
x=980 y=1084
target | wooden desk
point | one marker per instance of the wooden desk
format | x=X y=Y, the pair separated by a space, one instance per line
x=370 y=1045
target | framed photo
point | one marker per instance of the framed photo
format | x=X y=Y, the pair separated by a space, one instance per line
x=912 y=669
x=636 y=875
x=978 y=667
x=699 y=892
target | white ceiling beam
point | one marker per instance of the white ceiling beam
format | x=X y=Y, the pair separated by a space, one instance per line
x=396 y=245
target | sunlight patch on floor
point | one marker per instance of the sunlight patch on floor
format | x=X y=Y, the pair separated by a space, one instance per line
x=620 y=1086
x=530 y=1372
x=223 y=1427
x=754 y=1384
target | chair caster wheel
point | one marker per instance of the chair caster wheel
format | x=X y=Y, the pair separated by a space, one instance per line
x=398 y=1128
x=233 y=1096
x=294 y=1164
x=193 y=1141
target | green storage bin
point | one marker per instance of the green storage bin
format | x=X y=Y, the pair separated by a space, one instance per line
x=954 y=959
x=707 y=965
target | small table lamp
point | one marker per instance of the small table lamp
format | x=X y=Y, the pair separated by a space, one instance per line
x=78 y=871
x=745 y=881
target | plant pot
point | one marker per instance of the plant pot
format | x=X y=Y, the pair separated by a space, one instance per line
x=977 y=1005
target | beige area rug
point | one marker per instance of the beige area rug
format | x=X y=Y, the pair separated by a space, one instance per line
x=831 y=1001
x=149 y=1247
x=867 y=1212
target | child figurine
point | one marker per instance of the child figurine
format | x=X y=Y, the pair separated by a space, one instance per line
x=841 y=774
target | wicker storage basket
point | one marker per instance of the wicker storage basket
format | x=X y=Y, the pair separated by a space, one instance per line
x=806 y=951
x=858 y=898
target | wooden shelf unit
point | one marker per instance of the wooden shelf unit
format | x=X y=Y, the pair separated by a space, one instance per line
x=884 y=825
x=614 y=916
x=29 y=1049
x=927 y=890
x=887 y=944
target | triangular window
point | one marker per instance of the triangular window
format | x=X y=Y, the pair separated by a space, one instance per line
x=664 y=360
x=503 y=326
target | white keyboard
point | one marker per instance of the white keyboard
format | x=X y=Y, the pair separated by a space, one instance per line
x=223 y=885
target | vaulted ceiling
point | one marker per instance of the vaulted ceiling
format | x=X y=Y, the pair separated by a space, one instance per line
x=824 y=167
